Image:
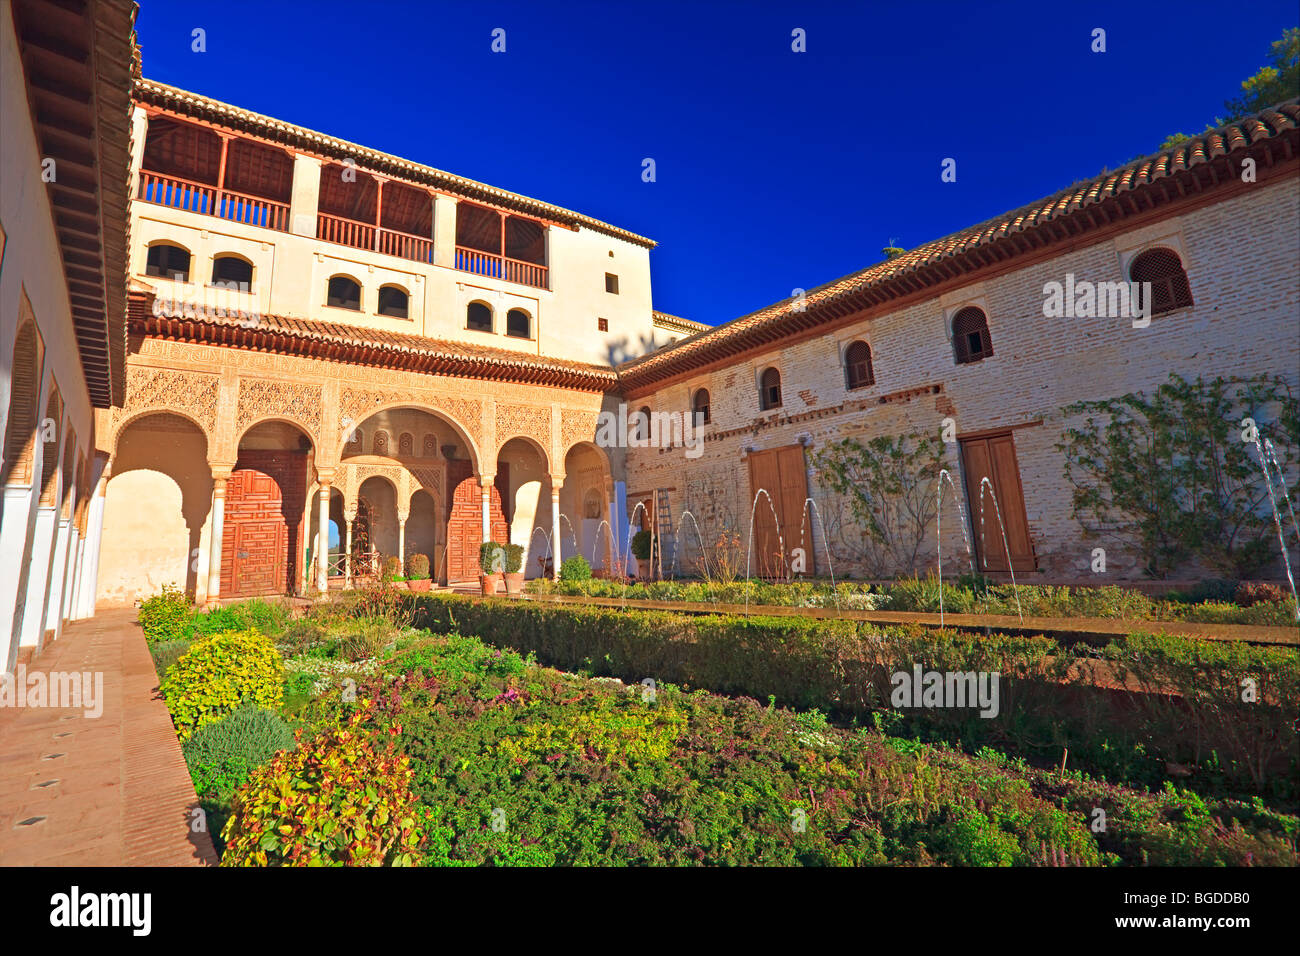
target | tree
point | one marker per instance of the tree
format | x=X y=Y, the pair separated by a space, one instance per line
x=888 y=488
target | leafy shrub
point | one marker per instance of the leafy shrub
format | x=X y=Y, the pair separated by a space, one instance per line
x=417 y=567
x=167 y=653
x=641 y=545
x=299 y=635
x=392 y=568
x=575 y=568
x=1250 y=593
x=491 y=557
x=337 y=800
x=514 y=558
x=164 y=616
x=222 y=754
x=217 y=674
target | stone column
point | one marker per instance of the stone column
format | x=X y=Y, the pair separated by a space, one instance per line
x=348 y=518
x=323 y=539
x=485 y=487
x=401 y=538
x=220 y=475
x=90 y=578
x=557 y=551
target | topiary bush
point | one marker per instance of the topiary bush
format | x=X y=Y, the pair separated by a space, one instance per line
x=217 y=674
x=165 y=616
x=641 y=545
x=392 y=569
x=491 y=557
x=417 y=567
x=337 y=800
x=222 y=754
x=575 y=568
x=514 y=558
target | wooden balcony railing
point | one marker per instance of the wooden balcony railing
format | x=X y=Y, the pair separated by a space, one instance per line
x=362 y=235
x=210 y=201
x=500 y=267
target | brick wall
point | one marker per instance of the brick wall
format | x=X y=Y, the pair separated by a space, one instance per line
x=1240 y=256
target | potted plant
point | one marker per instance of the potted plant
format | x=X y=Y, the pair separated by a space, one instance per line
x=417 y=572
x=514 y=574
x=491 y=564
x=393 y=572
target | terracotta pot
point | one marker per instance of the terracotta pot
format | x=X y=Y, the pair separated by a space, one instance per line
x=489 y=583
x=514 y=582
x=420 y=585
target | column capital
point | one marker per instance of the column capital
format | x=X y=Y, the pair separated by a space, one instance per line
x=485 y=481
x=221 y=471
x=403 y=515
x=325 y=476
x=557 y=482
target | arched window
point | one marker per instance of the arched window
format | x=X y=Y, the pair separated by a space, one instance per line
x=394 y=302
x=518 y=324
x=406 y=445
x=769 y=392
x=857 y=366
x=478 y=316
x=24 y=395
x=1170 y=289
x=168 y=261
x=643 y=423
x=232 y=272
x=344 y=293
x=430 y=446
x=700 y=407
x=380 y=444
x=970 y=336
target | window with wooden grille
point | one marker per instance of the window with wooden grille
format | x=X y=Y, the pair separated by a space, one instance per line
x=1162 y=268
x=857 y=366
x=970 y=336
x=769 y=393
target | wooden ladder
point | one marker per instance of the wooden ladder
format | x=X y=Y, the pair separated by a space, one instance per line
x=663 y=530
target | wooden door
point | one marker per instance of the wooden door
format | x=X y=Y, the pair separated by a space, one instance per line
x=465 y=521
x=994 y=457
x=264 y=510
x=782 y=474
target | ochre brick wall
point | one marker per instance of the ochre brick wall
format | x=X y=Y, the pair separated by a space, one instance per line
x=1240 y=257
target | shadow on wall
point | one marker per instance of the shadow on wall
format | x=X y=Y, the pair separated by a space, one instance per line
x=156 y=505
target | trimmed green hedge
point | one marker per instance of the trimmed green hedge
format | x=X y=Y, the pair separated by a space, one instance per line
x=1047 y=702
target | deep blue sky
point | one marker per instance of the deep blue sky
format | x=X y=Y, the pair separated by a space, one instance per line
x=775 y=169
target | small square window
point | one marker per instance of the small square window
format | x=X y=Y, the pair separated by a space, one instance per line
x=602 y=325
x=611 y=283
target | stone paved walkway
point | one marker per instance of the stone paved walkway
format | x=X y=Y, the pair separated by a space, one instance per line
x=111 y=790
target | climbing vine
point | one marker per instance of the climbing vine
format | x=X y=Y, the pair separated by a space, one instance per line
x=1176 y=475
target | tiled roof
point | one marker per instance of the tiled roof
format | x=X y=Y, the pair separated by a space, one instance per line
x=378 y=347
x=233 y=117
x=1201 y=163
x=677 y=322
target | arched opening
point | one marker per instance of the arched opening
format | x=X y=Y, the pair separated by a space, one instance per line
x=344 y=293
x=168 y=261
x=24 y=393
x=769 y=392
x=478 y=317
x=448 y=529
x=379 y=498
x=335 y=539
x=160 y=458
x=970 y=336
x=1162 y=268
x=394 y=302
x=585 y=502
x=643 y=423
x=232 y=272
x=858 y=372
x=519 y=324
x=524 y=483
x=265 y=529
x=700 y=407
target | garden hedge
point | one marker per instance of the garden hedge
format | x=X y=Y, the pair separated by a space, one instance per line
x=1182 y=707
